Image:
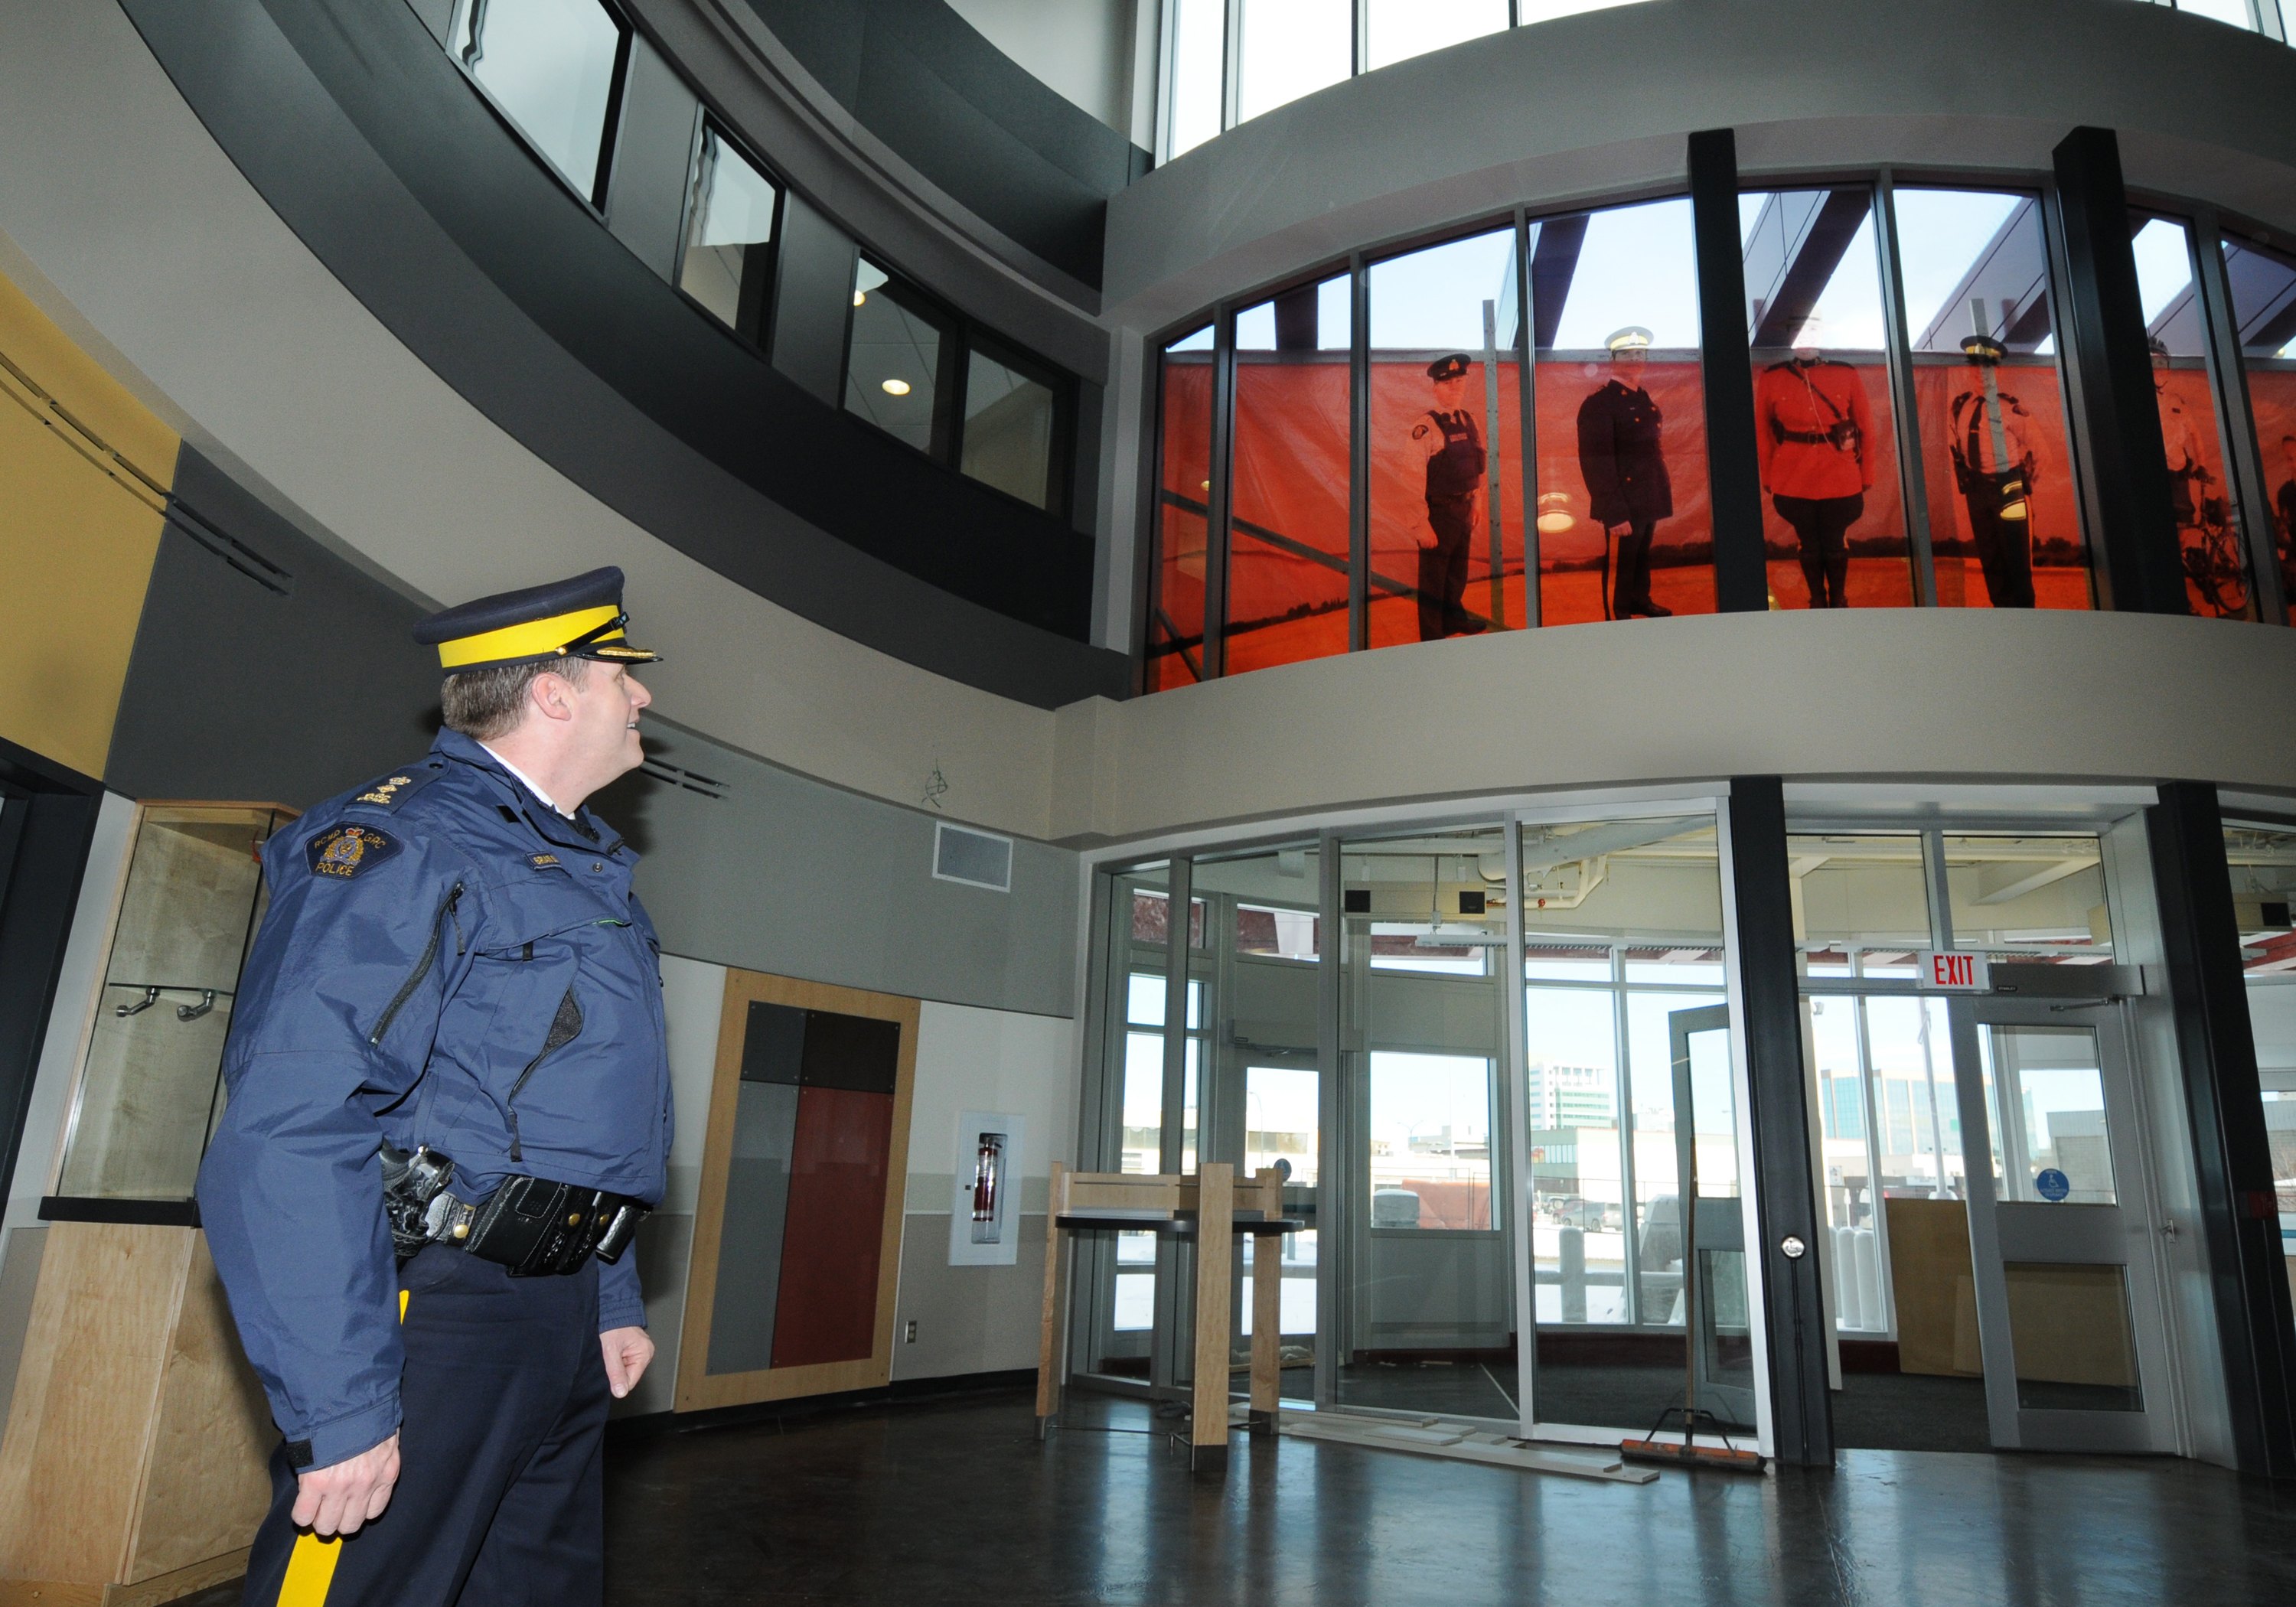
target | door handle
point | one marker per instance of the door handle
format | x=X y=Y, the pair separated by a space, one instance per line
x=2169 y=1228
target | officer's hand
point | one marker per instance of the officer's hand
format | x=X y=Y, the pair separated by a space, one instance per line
x=337 y=1500
x=628 y=1352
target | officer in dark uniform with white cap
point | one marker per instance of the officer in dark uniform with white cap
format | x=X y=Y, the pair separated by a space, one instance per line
x=1624 y=465
x=448 y=1106
x=1447 y=434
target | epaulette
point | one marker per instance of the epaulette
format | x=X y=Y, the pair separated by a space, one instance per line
x=395 y=787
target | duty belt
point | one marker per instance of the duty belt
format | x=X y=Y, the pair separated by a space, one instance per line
x=533 y=1226
x=1807 y=438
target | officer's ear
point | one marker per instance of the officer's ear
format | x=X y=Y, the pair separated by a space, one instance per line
x=550 y=695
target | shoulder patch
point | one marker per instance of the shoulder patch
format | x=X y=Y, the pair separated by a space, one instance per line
x=388 y=791
x=345 y=851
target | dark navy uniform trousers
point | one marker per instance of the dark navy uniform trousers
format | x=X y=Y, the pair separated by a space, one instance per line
x=502 y=1406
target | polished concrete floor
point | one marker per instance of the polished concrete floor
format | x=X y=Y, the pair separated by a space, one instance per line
x=937 y=1503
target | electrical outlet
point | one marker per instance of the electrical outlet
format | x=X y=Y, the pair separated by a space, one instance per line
x=909 y=1335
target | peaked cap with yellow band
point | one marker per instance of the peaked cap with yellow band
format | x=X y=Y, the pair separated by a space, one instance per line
x=577 y=619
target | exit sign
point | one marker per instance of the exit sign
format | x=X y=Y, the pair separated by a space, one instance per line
x=1954 y=972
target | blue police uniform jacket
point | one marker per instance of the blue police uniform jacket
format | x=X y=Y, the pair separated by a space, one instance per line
x=424 y=936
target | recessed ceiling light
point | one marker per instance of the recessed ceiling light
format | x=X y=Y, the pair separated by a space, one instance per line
x=897 y=388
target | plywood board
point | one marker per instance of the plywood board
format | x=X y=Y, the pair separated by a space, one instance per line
x=87 y=1398
x=1930 y=1276
x=698 y=1389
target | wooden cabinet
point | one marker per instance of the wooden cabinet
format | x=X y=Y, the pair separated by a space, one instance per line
x=133 y=1470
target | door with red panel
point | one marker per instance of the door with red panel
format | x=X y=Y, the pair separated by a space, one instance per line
x=796 y=1231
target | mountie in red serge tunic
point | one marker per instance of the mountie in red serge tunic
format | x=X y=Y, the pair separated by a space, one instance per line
x=1799 y=408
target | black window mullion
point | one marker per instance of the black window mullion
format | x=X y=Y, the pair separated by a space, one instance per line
x=1726 y=364
x=1215 y=515
x=1912 y=481
x=2236 y=424
x=1358 y=455
x=1526 y=413
x=2069 y=386
x=609 y=127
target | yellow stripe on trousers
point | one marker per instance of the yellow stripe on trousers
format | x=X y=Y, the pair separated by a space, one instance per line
x=311 y=1565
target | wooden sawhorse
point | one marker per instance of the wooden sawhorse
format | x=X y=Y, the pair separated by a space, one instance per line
x=1212 y=1208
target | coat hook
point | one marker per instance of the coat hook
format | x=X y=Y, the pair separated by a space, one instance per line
x=191 y=1013
x=151 y=998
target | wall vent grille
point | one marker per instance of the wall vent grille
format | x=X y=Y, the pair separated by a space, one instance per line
x=976 y=858
x=670 y=775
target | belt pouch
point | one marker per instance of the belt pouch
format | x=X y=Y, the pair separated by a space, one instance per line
x=537 y=1227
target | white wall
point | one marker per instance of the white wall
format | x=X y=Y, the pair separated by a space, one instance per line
x=979 y=1319
x=694 y=1000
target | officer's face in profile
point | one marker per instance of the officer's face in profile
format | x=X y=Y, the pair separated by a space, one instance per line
x=606 y=703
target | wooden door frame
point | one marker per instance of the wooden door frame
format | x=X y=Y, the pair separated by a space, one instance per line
x=698 y=1389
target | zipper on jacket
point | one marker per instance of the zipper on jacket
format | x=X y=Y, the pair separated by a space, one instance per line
x=421 y=966
x=565 y=1026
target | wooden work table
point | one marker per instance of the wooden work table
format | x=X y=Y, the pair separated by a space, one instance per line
x=1211 y=1207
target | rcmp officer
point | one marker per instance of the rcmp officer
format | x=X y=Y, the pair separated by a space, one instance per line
x=448 y=1105
x=1447 y=435
x=1625 y=469
x=1811 y=421
x=1993 y=463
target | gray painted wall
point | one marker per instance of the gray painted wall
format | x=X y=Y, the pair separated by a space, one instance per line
x=786 y=875
x=813 y=299
x=1082 y=48
x=235 y=692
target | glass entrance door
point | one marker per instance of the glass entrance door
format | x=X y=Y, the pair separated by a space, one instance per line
x=2061 y=1229
x=1721 y=1379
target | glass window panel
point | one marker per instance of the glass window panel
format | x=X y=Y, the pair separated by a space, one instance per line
x=549 y=64
x=2070 y=1333
x=1009 y=426
x=1199 y=62
x=1143 y=1103
x=1400 y=29
x=1176 y=613
x=892 y=367
x=729 y=233
x=1438 y=566
x=1431 y=1142
x=1909 y=1047
x=2047 y=1098
x=2263 y=866
x=1290 y=48
x=1858 y=895
x=2234 y=12
x=2208 y=519
x=1578 y=1184
x=1280 y=1121
x=1289 y=934
x=1651 y=884
x=2030 y=899
x=1287 y=570
x=2264 y=307
x=1624 y=522
x=1541 y=11
x=2004 y=513
x=1827 y=436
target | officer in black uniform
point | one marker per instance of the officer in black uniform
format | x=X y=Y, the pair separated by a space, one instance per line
x=448 y=1106
x=1624 y=465
x=1446 y=434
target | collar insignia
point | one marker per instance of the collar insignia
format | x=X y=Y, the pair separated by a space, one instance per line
x=346 y=851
